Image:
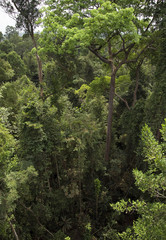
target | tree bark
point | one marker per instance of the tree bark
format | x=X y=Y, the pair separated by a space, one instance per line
x=110 y=115
x=14 y=231
x=39 y=63
x=124 y=100
x=114 y=70
x=40 y=74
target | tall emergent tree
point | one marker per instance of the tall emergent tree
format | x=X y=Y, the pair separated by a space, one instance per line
x=26 y=13
x=109 y=30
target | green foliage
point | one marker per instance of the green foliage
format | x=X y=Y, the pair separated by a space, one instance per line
x=153 y=180
x=38 y=131
x=102 y=21
x=100 y=86
x=31 y=65
x=6 y=46
x=81 y=131
x=4 y=117
x=18 y=93
x=18 y=186
x=155 y=107
x=123 y=83
x=87 y=235
x=1 y=36
x=11 y=33
x=6 y=71
x=60 y=236
x=54 y=181
x=27 y=12
x=82 y=91
x=151 y=223
x=52 y=79
x=17 y=64
x=97 y=184
x=7 y=148
x=67 y=238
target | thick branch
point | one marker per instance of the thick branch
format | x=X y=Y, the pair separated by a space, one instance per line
x=149 y=24
x=109 y=50
x=113 y=35
x=153 y=18
x=124 y=100
x=124 y=49
x=13 y=230
x=126 y=55
x=123 y=42
x=115 y=54
x=103 y=59
x=158 y=194
x=136 y=59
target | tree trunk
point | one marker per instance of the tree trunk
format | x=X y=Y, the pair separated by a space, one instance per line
x=39 y=63
x=110 y=115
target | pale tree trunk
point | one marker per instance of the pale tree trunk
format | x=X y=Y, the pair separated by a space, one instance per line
x=110 y=61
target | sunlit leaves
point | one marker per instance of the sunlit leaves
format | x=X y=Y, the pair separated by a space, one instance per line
x=7 y=149
x=18 y=185
x=17 y=63
x=96 y=26
x=6 y=71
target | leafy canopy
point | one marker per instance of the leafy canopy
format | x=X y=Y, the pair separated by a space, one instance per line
x=91 y=26
x=151 y=221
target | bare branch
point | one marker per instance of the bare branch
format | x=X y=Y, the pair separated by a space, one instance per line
x=115 y=54
x=124 y=61
x=103 y=59
x=138 y=56
x=128 y=48
x=123 y=42
x=14 y=230
x=113 y=35
x=158 y=194
x=124 y=100
x=149 y=24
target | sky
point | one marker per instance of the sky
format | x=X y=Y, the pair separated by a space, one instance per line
x=5 y=20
